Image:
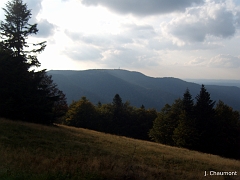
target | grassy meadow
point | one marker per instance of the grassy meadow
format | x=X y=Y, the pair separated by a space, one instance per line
x=36 y=152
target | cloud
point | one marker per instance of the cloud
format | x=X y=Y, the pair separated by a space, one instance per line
x=145 y=43
x=83 y=53
x=143 y=7
x=139 y=31
x=45 y=28
x=100 y=40
x=35 y=6
x=126 y=49
x=160 y=43
x=199 y=23
x=225 y=61
x=134 y=57
x=198 y=61
x=130 y=34
x=218 y=61
x=238 y=19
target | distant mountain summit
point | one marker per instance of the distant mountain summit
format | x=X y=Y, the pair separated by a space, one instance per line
x=135 y=87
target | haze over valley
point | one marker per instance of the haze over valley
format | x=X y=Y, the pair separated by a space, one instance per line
x=135 y=87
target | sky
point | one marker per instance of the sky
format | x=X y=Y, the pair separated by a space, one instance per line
x=196 y=39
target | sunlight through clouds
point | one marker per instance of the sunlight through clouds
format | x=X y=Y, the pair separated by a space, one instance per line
x=159 y=37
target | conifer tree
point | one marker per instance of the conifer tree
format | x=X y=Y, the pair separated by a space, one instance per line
x=117 y=108
x=204 y=102
x=25 y=94
x=185 y=135
x=205 y=120
x=188 y=103
x=15 y=31
x=117 y=101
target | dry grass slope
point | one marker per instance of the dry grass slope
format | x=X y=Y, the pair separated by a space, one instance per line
x=30 y=151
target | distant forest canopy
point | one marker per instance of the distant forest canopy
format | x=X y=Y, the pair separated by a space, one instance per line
x=200 y=126
x=103 y=84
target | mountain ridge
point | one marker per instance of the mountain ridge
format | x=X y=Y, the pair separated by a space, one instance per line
x=152 y=92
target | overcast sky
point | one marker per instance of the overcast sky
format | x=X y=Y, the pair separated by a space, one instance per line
x=160 y=38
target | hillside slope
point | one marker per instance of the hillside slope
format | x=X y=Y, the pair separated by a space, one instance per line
x=30 y=151
x=101 y=85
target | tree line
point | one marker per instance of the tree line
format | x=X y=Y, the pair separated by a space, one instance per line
x=201 y=126
x=116 y=117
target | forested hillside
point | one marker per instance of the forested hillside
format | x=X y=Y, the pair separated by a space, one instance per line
x=102 y=85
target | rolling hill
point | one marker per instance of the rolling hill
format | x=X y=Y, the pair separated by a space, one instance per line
x=37 y=152
x=137 y=88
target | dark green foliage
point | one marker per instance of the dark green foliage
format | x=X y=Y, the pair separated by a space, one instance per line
x=185 y=134
x=81 y=113
x=46 y=103
x=159 y=132
x=123 y=119
x=117 y=102
x=25 y=94
x=105 y=118
x=143 y=122
x=165 y=123
x=116 y=118
x=199 y=126
x=227 y=127
x=14 y=79
x=187 y=103
x=205 y=121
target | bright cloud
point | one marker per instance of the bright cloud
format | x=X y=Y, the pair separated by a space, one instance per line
x=225 y=61
x=199 y=23
x=160 y=37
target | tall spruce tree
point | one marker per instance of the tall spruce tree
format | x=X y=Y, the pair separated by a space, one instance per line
x=16 y=29
x=117 y=101
x=117 y=108
x=25 y=94
x=205 y=120
x=188 y=103
x=119 y=114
